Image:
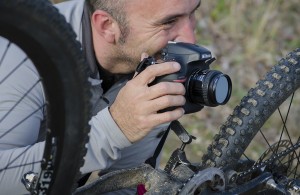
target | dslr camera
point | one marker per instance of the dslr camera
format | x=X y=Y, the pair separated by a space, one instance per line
x=204 y=87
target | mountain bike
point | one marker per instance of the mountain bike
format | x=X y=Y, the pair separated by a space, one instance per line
x=36 y=31
x=228 y=167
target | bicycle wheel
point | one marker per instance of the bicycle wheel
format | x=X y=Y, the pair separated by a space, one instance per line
x=255 y=132
x=36 y=29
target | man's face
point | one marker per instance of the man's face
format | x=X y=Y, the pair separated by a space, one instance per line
x=151 y=24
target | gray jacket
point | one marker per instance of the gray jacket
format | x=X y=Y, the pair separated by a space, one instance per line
x=108 y=148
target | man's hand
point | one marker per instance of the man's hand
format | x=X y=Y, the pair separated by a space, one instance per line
x=136 y=107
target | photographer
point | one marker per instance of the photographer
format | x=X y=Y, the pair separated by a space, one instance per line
x=126 y=126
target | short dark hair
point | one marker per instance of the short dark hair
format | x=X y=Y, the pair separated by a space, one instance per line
x=116 y=8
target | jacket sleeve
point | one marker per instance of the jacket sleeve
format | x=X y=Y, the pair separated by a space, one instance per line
x=105 y=144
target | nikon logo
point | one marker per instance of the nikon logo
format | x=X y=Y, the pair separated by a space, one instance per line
x=206 y=56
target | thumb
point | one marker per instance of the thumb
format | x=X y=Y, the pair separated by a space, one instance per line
x=144 y=55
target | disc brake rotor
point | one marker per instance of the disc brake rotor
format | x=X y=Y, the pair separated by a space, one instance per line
x=282 y=164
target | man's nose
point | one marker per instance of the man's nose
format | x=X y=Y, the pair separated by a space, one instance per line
x=187 y=33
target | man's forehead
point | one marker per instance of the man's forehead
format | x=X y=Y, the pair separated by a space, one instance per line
x=155 y=6
x=158 y=3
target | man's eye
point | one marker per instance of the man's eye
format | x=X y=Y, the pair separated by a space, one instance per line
x=169 y=22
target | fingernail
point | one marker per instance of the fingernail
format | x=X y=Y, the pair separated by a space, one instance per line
x=183 y=111
x=176 y=65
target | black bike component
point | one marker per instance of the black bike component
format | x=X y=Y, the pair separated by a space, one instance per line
x=276 y=164
x=182 y=134
x=43 y=34
x=247 y=119
x=212 y=178
x=29 y=179
x=178 y=157
x=294 y=185
x=263 y=184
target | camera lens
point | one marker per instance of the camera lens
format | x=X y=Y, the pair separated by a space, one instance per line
x=208 y=87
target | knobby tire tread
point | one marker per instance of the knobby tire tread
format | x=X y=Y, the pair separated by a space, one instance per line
x=254 y=109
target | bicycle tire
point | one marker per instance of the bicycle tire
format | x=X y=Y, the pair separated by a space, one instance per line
x=49 y=41
x=253 y=111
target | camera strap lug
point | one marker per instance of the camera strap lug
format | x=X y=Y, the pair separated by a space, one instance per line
x=178 y=156
x=181 y=132
x=209 y=61
x=144 y=63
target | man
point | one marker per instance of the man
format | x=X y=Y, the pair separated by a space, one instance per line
x=115 y=36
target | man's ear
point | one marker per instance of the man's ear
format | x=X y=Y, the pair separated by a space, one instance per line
x=105 y=26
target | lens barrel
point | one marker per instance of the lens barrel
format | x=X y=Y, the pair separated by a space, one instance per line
x=208 y=87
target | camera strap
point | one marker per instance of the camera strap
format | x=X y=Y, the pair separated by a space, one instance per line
x=144 y=64
x=152 y=160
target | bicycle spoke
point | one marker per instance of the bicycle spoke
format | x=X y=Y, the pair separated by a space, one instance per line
x=297 y=156
x=16 y=68
x=19 y=101
x=293 y=171
x=17 y=124
x=249 y=159
x=17 y=166
x=284 y=128
x=286 y=117
x=4 y=54
x=16 y=158
x=265 y=138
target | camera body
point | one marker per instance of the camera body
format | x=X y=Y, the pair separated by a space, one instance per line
x=204 y=87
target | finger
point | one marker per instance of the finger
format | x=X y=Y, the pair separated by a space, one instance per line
x=165 y=88
x=167 y=116
x=167 y=101
x=152 y=71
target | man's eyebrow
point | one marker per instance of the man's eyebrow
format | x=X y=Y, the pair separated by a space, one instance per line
x=171 y=17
